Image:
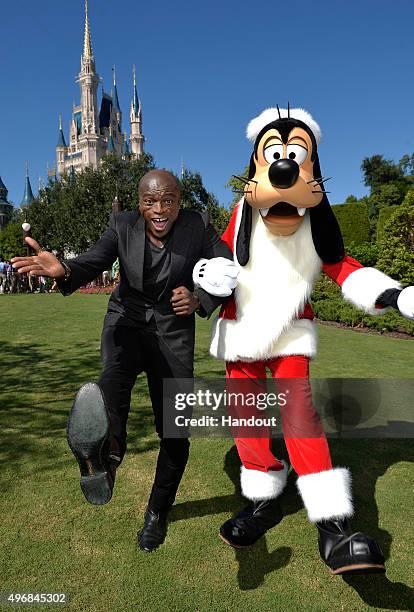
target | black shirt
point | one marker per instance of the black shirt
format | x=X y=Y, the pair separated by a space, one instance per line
x=157 y=263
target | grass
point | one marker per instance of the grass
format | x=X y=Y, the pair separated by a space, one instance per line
x=53 y=541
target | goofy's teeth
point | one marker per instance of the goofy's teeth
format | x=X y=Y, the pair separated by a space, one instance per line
x=301 y=211
x=264 y=211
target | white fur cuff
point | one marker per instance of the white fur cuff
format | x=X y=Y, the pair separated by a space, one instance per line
x=327 y=495
x=258 y=486
x=364 y=286
x=405 y=302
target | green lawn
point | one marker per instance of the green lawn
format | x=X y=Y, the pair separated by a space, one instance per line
x=52 y=540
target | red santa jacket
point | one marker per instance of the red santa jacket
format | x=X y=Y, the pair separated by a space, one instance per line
x=269 y=314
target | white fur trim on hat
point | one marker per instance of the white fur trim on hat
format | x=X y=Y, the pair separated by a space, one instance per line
x=258 y=486
x=364 y=286
x=271 y=114
x=327 y=495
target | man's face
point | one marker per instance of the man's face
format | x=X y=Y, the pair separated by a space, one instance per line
x=159 y=203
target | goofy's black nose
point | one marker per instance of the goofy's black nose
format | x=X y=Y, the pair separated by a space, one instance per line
x=283 y=173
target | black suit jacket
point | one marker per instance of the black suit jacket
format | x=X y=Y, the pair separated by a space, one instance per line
x=193 y=238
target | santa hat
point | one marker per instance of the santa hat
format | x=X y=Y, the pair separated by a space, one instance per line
x=273 y=114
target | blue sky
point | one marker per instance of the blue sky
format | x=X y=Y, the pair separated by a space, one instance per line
x=204 y=70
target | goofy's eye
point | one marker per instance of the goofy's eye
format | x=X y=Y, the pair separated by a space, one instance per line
x=273 y=152
x=296 y=152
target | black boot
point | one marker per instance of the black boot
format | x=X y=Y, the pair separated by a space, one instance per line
x=154 y=531
x=251 y=523
x=345 y=552
x=155 y=518
x=88 y=438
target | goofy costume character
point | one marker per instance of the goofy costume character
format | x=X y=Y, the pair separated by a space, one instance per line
x=283 y=234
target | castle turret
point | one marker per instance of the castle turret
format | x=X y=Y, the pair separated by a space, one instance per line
x=137 y=138
x=61 y=147
x=6 y=209
x=110 y=146
x=125 y=148
x=28 y=196
x=88 y=81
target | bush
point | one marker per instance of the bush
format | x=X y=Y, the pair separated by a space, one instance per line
x=329 y=305
x=366 y=254
x=384 y=216
x=354 y=222
x=11 y=240
x=396 y=256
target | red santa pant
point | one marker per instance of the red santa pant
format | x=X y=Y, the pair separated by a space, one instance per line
x=307 y=454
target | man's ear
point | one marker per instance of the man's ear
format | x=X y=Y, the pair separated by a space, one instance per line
x=243 y=235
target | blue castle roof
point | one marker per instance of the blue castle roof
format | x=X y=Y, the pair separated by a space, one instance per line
x=3 y=190
x=28 y=196
x=111 y=147
x=115 y=100
x=61 y=139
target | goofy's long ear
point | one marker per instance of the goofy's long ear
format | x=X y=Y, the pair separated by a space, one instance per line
x=243 y=234
x=326 y=233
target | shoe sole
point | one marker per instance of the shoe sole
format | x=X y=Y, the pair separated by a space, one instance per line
x=360 y=568
x=234 y=545
x=87 y=432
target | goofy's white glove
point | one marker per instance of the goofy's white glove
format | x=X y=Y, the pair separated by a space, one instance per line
x=217 y=276
x=405 y=302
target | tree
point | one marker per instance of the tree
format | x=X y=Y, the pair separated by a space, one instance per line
x=193 y=193
x=377 y=171
x=237 y=186
x=196 y=197
x=70 y=214
x=11 y=240
x=406 y=164
x=396 y=257
x=389 y=194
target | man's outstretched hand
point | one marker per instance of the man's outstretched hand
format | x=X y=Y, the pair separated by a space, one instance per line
x=43 y=263
x=183 y=301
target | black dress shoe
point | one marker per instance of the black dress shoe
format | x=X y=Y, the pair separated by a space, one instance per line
x=345 y=552
x=88 y=438
x=154 y=531
x=251 y=523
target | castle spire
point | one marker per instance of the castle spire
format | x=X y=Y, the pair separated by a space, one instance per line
x=135 y=101
x=136 y=141
x=115 y=100
x=87 y=45
x=28 y=196
x=61 y=138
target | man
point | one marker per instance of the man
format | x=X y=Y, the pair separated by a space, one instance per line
x=149 y=326
x=3 y=275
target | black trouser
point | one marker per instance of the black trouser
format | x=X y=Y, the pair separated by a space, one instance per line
x=126 y=352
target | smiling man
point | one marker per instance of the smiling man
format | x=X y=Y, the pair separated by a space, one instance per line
x=149 y=327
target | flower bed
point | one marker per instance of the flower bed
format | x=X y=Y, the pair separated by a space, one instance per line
x=106 y=290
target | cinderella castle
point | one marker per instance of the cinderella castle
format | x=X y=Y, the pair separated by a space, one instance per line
x=94 y=133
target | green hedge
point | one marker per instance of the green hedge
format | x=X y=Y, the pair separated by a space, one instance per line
x=384 y=216
x=354 y=222
x=328 y=305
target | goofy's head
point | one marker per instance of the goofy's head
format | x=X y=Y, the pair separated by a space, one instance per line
x=285 y=182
